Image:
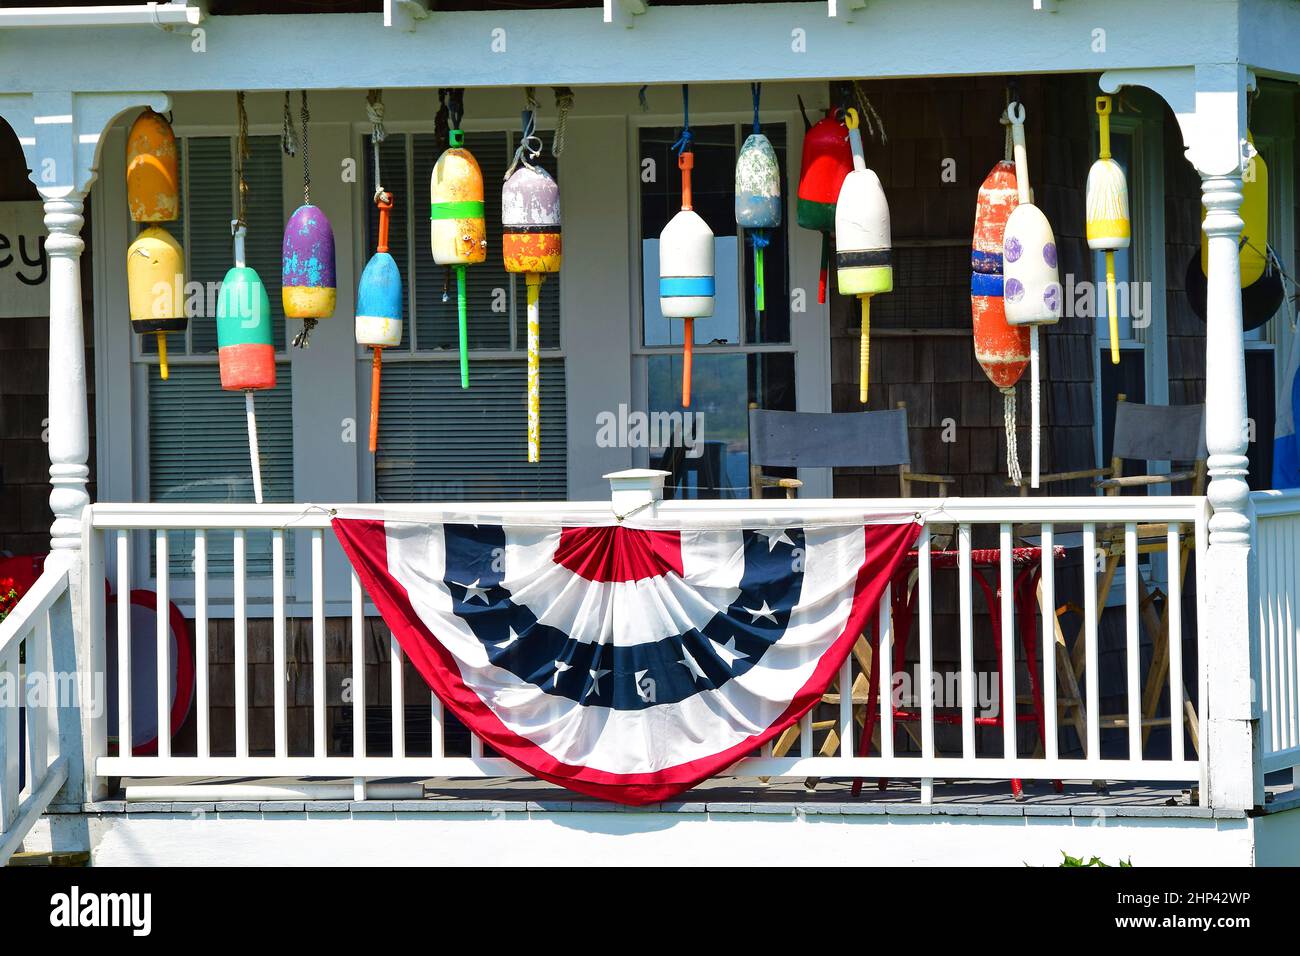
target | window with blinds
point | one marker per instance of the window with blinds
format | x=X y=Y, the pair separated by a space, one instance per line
x=198 y=439
x=438 y=442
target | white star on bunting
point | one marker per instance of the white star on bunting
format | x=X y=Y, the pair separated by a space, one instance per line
x=756 y=612
x=732 y=653
x=774 y=537
x=596 y=675
x=690 y=664
x=560 y=668
x=473 y=591
x=514 y=636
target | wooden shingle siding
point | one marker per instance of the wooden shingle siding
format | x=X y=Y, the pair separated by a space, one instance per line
x=921 y=348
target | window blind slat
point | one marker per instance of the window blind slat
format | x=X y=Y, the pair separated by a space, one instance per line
x=441 y=442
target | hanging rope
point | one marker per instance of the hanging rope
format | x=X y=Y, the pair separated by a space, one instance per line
x=755 y=90
x=288 y=136
x=1009 y=422
x=242 y=219
x=683 y=144
x=375 y=113
x=870 y=118
x=441 y=126
x=530 y=144
x=306 y=159
x=563 y=104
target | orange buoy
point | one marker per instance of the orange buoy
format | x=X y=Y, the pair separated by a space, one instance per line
x=1001 y=349
x=152 y=191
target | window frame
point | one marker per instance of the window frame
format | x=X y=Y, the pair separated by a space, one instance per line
x=809 y=330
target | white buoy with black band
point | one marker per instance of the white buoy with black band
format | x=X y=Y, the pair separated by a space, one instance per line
x=863 y=261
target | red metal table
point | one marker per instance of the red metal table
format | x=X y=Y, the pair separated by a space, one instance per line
x=1027 y=564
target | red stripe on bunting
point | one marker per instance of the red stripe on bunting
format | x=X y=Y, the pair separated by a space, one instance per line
x=616 y=553
x=364 y=542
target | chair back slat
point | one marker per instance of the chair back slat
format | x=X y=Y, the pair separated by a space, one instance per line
x=828 y=440
x=1159 y=432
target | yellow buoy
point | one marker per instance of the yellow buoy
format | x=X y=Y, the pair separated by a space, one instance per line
x=155 y=281
x=1254 y=213
x=152 y=193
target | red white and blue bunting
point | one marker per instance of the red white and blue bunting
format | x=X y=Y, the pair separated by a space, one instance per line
x=626 y=663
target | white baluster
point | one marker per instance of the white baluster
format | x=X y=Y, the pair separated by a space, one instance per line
x=123 y=645
x=1047 y=595
x=1133 y=640
x=398 y=695
x=1093 y=677
x=1006 y=585
x=885 y=673
x=319 y=712
x=163 y=685
x=1173 y=548
x=38 y=723
x=965 y=613
x=927 y=651
x=202 y=730
x=358 y=670
x=279 y=666
x=241 y=645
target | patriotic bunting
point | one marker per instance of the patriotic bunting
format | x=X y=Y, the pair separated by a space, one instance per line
x=625 y=663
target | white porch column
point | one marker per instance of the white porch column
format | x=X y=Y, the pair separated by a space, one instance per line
x=1209 y=102
x=60 y=134
x=68 y=431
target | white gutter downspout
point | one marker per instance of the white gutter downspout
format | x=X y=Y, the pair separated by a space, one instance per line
x=161 y=15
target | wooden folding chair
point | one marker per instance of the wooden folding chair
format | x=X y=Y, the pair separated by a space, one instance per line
x=879 y=439
x=1146 y=433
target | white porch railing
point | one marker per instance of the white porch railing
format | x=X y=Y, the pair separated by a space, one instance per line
x=1276 y=543
x=1075 y=522
x=26 y=688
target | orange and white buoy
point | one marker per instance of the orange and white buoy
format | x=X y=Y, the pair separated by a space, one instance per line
x=1002 y=350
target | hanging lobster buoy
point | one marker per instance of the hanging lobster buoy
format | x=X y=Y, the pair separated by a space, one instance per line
x=307 y=288
x=686 y=284
x=307 y=283
x=1031 y=279
x=155 y=257
x=758 y=198
x=155 y=280
x=1108 y=227
x=152 y=190
x=827 y=160
x=1002 y=350
x=379 y=309
x=531 y=245
x=457 y=229
x=245 y=343
x=1253 y=244
x=863 y=263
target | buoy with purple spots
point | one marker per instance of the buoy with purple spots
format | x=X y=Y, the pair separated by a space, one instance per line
x=1032 y=289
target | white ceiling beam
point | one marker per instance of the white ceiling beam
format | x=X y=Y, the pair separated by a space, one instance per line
x=162 y=15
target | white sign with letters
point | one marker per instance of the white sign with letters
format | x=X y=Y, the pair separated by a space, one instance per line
x=24 y=266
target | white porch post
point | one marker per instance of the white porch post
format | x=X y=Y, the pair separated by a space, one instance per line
x=60 y=135
x=1209 y=102
x=68 y=431
x=1232 y=740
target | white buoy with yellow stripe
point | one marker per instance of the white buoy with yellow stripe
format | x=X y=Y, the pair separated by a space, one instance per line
x=863 y=259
